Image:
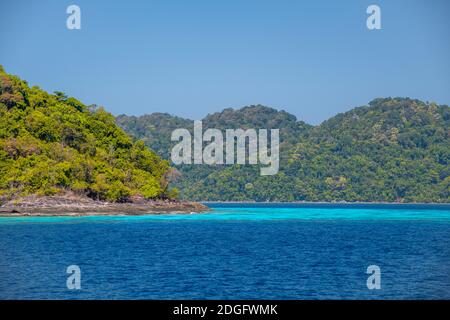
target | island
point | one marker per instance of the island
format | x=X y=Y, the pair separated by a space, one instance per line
x=60 y=157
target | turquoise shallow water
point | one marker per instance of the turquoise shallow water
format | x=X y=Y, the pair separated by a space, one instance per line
x=237 y=251
x=250 y=212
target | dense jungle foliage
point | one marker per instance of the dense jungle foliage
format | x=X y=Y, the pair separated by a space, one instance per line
x=394 y=149
x=51 y=143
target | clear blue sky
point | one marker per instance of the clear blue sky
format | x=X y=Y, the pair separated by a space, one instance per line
x=189 y=58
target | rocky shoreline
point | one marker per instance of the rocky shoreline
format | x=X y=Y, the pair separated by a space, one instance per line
x=72 y=205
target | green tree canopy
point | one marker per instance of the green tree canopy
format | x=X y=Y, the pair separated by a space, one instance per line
x=51 y=143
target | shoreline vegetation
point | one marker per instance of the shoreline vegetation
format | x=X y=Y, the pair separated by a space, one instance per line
x=75 y=205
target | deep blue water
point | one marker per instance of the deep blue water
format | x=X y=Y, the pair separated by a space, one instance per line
x=235 y=252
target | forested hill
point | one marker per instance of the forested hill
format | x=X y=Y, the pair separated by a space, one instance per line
x=155 y=129
x=394 y=149
x=51 y=143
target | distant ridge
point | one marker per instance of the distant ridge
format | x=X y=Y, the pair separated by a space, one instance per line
x=392 y=150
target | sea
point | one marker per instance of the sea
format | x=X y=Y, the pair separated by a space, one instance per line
x=236 y=251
